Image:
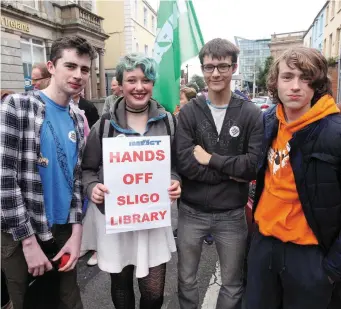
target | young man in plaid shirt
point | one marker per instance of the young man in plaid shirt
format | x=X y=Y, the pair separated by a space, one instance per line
x=42 y=141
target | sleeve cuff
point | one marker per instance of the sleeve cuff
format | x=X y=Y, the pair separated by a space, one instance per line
x=75 y=216
x=89 y=189
x=175 y=176
x=216 y=162
x=23 y=231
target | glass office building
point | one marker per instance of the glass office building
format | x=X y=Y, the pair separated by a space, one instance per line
x=253 y=54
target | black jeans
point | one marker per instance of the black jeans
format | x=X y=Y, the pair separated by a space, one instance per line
x=4 y=291
x=286 y=275
x=15 y=268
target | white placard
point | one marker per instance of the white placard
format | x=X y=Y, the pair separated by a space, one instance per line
x=137 y=174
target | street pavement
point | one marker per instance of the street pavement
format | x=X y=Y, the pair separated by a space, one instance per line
x=95 y=284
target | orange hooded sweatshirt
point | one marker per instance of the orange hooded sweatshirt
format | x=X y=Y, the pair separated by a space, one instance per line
x=279 y=212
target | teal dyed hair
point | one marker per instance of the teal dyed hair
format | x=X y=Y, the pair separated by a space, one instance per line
x=132 y=61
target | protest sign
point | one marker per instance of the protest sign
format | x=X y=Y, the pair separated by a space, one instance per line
x=137 y=175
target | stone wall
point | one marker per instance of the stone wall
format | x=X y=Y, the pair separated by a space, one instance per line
x=12 y=72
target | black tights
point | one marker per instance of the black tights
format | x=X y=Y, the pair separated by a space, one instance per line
x=151 y=288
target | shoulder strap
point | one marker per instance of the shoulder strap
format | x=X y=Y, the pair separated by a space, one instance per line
x=105 y=129
x=170 y=122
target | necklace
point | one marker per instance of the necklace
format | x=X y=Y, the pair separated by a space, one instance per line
x=136 y=111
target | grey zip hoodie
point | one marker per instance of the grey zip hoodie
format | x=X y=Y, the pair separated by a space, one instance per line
x=234 y=151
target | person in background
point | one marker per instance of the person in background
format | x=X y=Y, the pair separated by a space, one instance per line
x=90 y=110
x=75 y=104
x=116 y=92
x=5 y=93
x=134 y=114
x=88 y=235
x=41 y=203
x=242 y=94
x=40 y=76
x=186 y=94
x=295 y=254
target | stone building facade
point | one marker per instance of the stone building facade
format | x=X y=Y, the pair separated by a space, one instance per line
x=28 y=29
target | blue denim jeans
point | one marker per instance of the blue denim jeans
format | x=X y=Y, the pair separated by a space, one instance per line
x=229 y=230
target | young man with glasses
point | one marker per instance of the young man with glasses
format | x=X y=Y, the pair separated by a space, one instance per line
x=217 y=145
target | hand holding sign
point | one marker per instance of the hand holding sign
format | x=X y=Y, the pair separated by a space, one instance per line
x=97 y=195
x=174 y=190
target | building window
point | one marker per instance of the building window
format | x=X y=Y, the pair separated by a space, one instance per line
x=332 y=13
x=315 y=29
x=339 y=6
x=73 y=1
x=330 y=45
x=324 y=46
x=337 y=42
x=146 y=50
x=136 y=8
x=32 y=51
x=145 y=17
x=321 y=24
x=327 y=14
x=31 y=3
x=153 y=24
x=137 y=47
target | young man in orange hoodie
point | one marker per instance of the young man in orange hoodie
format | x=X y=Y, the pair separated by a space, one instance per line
x=295 y=255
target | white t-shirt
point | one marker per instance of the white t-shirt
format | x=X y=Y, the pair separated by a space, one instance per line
x=218 y=114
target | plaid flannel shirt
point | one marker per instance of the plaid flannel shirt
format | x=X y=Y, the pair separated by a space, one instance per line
x=22 y=201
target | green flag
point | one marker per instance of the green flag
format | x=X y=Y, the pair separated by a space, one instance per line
x=179 y=39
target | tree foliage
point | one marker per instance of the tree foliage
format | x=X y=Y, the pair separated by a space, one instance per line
x=263 y=73
x=199 y=80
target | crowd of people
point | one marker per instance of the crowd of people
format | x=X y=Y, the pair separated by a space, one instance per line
x=53 y=190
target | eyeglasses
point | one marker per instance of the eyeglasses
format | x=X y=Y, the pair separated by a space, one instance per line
x=38 y=79
x=221 y=67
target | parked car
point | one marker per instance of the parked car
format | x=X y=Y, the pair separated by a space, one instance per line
x=263 y=102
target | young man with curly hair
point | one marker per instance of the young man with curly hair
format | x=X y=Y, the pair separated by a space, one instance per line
x=295 y=255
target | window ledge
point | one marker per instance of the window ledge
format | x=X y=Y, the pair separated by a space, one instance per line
x=31 y=7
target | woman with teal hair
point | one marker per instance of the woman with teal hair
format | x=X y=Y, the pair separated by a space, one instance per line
x=133 y=114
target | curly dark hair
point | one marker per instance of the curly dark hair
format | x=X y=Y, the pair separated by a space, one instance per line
x=82 y=46
x=308 y=60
